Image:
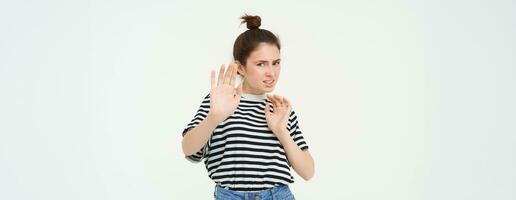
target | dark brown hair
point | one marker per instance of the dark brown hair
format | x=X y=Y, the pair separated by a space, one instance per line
x=247 y=41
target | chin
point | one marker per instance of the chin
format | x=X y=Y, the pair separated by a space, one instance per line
x=267 y=90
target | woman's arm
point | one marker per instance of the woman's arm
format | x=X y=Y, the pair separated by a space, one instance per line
x=224 y=99
x=197 y=137
x=301 y=160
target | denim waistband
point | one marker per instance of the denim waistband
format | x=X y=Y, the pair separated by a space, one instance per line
x=267 y=192
x=273 y=189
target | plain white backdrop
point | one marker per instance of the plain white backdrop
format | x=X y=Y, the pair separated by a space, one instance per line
x=397 y=99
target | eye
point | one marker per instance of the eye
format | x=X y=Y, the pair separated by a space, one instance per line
x=261 y=64
x=277 y=63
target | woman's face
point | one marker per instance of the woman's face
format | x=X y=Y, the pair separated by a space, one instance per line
x=261 y=70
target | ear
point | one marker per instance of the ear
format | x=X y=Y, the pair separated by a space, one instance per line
x=240 y=68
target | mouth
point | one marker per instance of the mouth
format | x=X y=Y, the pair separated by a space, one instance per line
x=269 y=82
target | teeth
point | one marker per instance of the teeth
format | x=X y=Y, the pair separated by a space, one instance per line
x=268 y=82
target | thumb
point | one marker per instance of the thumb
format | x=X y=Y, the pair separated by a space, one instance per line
x=267 y=110
x=239 y=92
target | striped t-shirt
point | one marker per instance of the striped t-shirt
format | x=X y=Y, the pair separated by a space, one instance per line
x=243 y=154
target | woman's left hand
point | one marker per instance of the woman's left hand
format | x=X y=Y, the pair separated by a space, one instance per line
x=277 y=120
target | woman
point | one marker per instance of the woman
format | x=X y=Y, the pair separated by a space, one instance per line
x=249 y=139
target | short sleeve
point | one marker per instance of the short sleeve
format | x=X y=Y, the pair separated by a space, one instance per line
x=295 y=131
x=199 y=116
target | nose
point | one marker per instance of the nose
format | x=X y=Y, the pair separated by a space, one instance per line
x=269 y=71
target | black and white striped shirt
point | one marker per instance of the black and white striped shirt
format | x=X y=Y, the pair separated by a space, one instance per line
x=243 y=153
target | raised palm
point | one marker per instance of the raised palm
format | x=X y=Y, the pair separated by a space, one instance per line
x=224 y=98
x=277 y=120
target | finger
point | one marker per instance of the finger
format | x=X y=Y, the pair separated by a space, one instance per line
x=279 y=99
x=221 y=75
x=239 y=92
x=273 y=100
x=233 y=75
x=213 y=84
x=227 y=76
x=282 y=101
x=266 y=108
x=286 y=101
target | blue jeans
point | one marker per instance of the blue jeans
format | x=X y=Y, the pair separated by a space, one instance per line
x=281 y=192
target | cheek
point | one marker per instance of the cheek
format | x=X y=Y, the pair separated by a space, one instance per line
x=254 y=78
x=278 y=71
x=257 y=75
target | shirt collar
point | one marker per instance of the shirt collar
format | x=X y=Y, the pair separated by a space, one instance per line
x=255 y=97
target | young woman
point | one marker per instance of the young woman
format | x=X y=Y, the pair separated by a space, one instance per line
x=249 y=139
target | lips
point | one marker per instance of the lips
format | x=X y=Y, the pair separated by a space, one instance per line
x=269 y=82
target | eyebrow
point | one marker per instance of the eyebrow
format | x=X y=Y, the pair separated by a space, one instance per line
x=277 y=60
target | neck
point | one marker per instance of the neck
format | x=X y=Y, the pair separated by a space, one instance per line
x=246 y=89
x=249 y=94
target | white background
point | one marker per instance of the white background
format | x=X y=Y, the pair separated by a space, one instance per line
x=397 y=99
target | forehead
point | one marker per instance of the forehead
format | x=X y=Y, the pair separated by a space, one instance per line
x=265 y=51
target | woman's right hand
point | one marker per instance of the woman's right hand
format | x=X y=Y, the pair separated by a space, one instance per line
x=224 y=98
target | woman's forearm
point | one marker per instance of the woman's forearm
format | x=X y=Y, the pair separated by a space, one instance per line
x=197 y=137
x=301 y=161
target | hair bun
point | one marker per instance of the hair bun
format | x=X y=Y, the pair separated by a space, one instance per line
x=252 y=22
